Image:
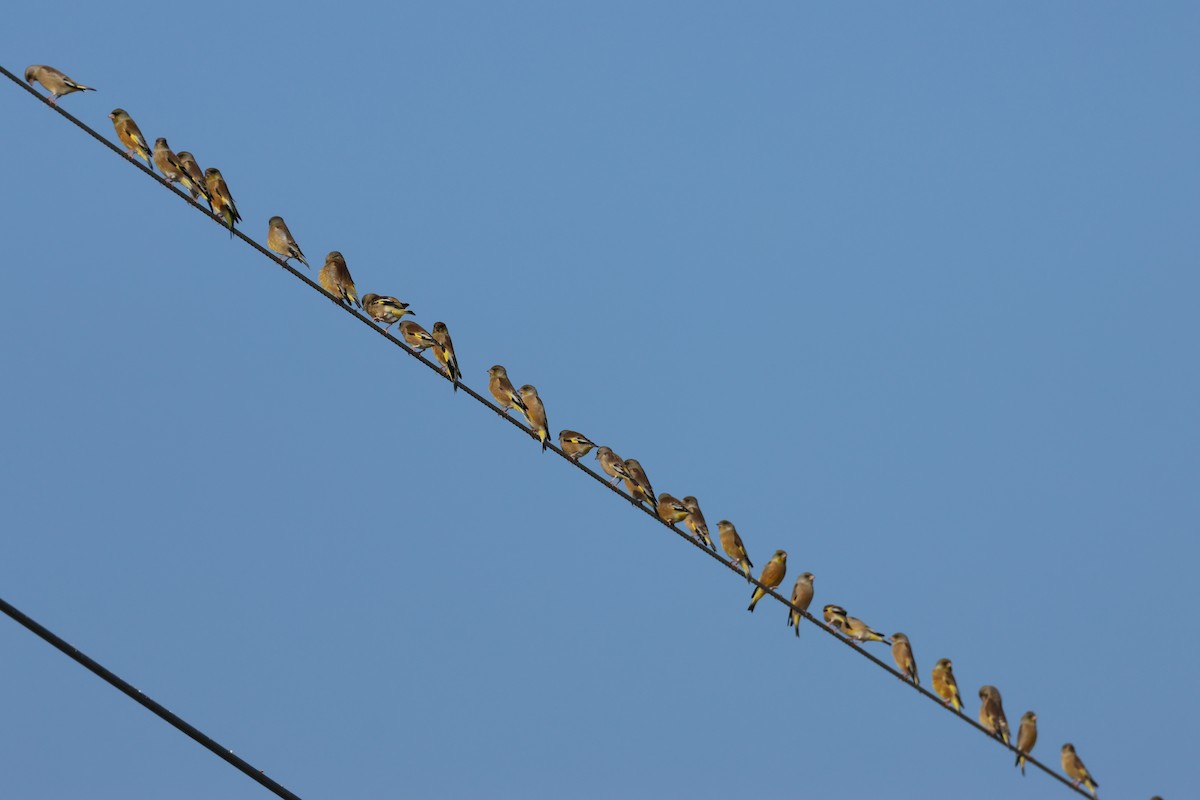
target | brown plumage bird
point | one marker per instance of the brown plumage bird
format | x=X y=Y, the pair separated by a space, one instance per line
x=902 y=654
x=772 y=575
x=167 y=162
x=670 y=509
x=1073 y=765
x=195 y=177
x=53 y=81
x=991 y=713
x=695 y=522
x=535 y=414
x=383 y=308
x=220 y=199
x=612 y=464
x=130 y=135
x=415 y=336
x=638 y=484
x=502 y=389
x=280 y=240
x=731 y=543
x=835 y=617
x=1026 y=738
x=335 y=278
x=574 y=444
x=444 y=352
x=802 y=597
x=945 y=685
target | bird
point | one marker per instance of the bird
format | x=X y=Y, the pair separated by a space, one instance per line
x=53 y=81
x=772 y=575
x=638 y=484
x=222 y=201
x=903 y=655
x=279 y=239
x=696 y=524
x=1026 y=738
x=535 y=414
x=860 y=631
x=670 y=510
x=130 y=135
x=502 y=389
x=195 y=178
x=612 y=464
x=168 y=163
x=444 y=352
x=991 y=713
x=802 y=596
x=574 y=444
x=382 y=308
x=335 y=279
x=415 y=336
x=945 y=685
x=731 y=543
x=835 y=617
x=1073 y=765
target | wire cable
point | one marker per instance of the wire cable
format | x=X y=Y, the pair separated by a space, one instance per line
x=155 y=707
x=484 y=401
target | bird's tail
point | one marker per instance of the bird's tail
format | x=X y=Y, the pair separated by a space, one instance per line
x=1020 y=762
x=758 y=593
x=303 y=260
x=746 y=565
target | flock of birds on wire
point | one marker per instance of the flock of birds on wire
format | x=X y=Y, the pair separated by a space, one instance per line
x=335 y=278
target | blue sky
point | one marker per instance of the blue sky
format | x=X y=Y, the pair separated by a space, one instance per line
x=909 y=292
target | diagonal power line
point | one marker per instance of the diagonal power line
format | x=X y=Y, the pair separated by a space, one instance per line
x=500 y=412
x=155 y=708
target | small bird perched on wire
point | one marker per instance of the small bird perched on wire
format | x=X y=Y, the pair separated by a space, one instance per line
x=902 y=654
x=444 y=352
x=168 y=163
x=280 y=240
x=130 y=135
x=695 y=522
x=1026 y=738
x=335 y=278
x=945 y=685
x=195 y=182
x=53 y=81
x=1073 y=765
x=731 y=543
x=772 y=575
x=638 y=484
x=670 y=510
x=991 y=713
x=382 y=308
x=220 y=199
x=535 y=414
x=612 y=464
x=415 y=336
x=802 y=597
x=574 y=444
x=835 y=617
x=502 y=389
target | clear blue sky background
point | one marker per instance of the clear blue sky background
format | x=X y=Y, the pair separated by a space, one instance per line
x=909 y=290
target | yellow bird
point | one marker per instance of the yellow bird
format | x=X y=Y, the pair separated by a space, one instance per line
x=280 y=240
x=945 y=685
x=731 y=543
x=382 y=308
x=638 y=484
x=221 y=200
x=835 y=617
x=1026 y=738
x=167 y=162
x=1076 y=771
x=502 y=389
x=444 y=352
x=575 y=444
x=772 y=576
x=535 y=414
x=902 y=654
x=415 y=336
x=670 y=510
x=130 y=135
x=991 y=713
x=612 y=464
x=802 y=597
x=862 y=632
x=53 y=81
x=696 y=524
x=195 y=178
x=335 y=278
